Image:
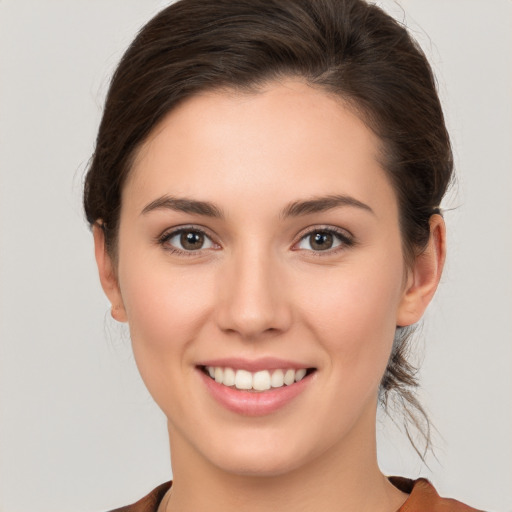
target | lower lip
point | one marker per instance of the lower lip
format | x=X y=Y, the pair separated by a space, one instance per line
x=254 y=403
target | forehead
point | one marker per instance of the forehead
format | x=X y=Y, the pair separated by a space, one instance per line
x=286 y=139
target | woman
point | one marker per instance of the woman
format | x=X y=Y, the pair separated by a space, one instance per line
x=265 y=202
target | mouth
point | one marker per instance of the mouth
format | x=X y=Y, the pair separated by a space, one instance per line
x=259 y=381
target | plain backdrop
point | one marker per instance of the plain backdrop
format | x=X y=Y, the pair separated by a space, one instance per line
x=78 y=431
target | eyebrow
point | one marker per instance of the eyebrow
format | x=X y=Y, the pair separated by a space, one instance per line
x=184 y=205
x=322 y=204
x=295 y=209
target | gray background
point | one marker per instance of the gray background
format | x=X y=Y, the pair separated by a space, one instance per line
x=78 y=431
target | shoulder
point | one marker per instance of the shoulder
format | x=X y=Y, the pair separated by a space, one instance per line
x=149 y=503
x=424 y=498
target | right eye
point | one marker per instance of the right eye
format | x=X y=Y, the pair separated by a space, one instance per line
x=187 y=240
x=324 y=240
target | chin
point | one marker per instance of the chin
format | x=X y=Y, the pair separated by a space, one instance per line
x=258 y=465
x=259 y=458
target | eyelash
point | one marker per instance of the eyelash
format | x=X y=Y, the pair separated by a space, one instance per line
x=164 y=239
x=345 y=240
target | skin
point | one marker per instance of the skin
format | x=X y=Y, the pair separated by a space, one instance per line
x=260 y=289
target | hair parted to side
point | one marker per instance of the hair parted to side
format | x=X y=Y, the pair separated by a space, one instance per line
x=346 y=47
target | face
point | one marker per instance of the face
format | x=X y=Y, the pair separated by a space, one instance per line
x=259 y=248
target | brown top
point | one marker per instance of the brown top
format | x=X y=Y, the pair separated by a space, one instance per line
x=423 y=498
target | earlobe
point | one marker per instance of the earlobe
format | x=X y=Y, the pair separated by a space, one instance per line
x=424 y=276
x=107 y=274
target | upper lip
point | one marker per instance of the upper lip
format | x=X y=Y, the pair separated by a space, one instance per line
x=254 y=365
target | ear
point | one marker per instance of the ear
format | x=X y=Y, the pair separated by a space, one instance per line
x=424 y=275
x=107 y=273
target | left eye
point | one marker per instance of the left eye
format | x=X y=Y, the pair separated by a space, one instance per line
x=189 y=240
x=321 y=240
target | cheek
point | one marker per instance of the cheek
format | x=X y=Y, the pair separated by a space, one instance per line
x=165 y=307
x=166 y=311
x=354 y=316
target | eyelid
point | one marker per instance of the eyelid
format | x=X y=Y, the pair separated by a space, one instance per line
x=346 y=238
x=170 y=233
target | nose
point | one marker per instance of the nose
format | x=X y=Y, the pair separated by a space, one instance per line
x=252 y=298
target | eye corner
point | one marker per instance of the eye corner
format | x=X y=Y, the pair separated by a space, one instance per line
x=335 y=239
x=174 y=241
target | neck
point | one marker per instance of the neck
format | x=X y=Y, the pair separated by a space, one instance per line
x=345 y=478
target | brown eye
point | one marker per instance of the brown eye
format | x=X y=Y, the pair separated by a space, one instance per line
x=187 y=240
x=324 y=240
x=191 y=240
x=321 y=241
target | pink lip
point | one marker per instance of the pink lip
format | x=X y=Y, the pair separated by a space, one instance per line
x=250 y=403
x=264 y=363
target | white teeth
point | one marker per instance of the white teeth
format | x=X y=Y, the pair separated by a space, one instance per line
x=257 y=381
x=289 y=377
x=229 y=377
x=300 y=374
x=243 y=379
x=261 y=381
x=277 y=379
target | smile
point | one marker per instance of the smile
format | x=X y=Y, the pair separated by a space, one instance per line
x=255 y=387
x=262 y=380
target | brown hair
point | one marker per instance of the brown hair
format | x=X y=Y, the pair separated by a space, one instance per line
x=347 y=47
